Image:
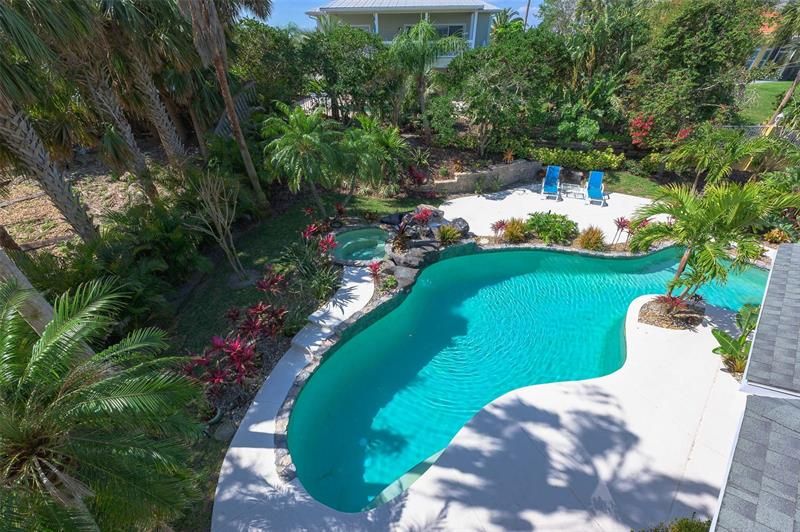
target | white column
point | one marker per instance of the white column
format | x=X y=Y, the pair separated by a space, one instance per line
x=377 y=28
x=472 y=37
x=426 y=16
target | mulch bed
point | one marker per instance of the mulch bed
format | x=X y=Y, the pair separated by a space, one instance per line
x=657 y=314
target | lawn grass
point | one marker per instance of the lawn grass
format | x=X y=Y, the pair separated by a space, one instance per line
x=624 y=182
x=763 y=98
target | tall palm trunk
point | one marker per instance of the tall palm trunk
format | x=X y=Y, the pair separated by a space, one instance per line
x=157 y=114
x=426 y=126
x=199 y=131
x=7 y=241
x=236 y=127
x=108 y=102
x=680 y=270
x=36 y=311
x=786 y=99
x=22 y=140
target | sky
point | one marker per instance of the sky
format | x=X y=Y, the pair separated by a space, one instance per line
x=286 y=11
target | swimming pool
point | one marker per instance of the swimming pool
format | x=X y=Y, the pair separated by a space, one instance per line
x=361 y=244
x=472 y=328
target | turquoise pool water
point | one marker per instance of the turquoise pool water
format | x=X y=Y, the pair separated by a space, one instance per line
x=361 y=244
x=472 y=329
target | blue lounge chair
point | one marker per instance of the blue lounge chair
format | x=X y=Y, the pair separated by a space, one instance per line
x=595 y=189
x=551 y=184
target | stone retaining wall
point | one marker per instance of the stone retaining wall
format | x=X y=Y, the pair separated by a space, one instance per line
x=495 y=177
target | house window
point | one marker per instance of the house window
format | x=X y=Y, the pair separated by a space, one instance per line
x=445 y=30
x=365 y=27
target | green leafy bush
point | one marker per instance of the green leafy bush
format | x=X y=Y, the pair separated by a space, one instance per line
x=448 y=234
x=312 y=272
x=684 y=524
x=735 y=349
x=551 y=228
x=579 y=160
x=515 y=231
x=443 y=120
x=148 y=248
x=389 y=283
x=592 y=238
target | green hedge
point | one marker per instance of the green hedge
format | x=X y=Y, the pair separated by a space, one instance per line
x=579 y=160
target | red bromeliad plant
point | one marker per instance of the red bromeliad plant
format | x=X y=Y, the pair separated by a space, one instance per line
x=327 y=243
x=341 y=210
x=228 y=362
x=375 y=269
x=498 y=227
x=310 y=231
x=671 y=303
x=423 y=216
x=309 y=211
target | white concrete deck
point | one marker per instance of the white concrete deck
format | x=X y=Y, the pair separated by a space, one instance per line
x=628 y=450
x=482 y=211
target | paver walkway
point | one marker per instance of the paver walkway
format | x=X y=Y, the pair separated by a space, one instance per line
x=482 y=211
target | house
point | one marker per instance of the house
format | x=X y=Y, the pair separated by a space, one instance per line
x=472 y=19
x=762 y=488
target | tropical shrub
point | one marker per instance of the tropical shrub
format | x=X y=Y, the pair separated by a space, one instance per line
x=308 y=263
x=389 y=283
x=551 y=228
x=443 y=120
x=777 y=236
x=735 y=349
x=592 y=238
x=448 y=234
x=684 y=524
x=579 y=160
x=515 y=231
x=90 y=440
x=375 y=269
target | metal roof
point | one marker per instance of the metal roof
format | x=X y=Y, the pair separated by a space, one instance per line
x=775 y=355
x=371 y=6
x=761 y=492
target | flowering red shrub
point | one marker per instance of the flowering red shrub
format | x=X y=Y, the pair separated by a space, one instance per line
x=417 y=175
x=683 y=134
x=375 y=269
x=639 y=129
x=498 y=227
x=327 y=243
x=622 y=223
x=423 y=216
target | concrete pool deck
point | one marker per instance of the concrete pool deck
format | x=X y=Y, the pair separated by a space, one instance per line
x=481 y=211
x=628 y=450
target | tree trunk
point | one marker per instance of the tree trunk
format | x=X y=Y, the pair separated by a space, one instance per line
x=199 y=132
x=318 y=200
x=157 y=114
x=426 y=126
x=36 y=311
x=786 y=99
x=7 y=241
x=230 y=108
x=680 y=270
x=108 y=102
x=22 y=140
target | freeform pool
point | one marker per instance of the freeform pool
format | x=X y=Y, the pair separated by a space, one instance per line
x=471 y=329
x=361 y=244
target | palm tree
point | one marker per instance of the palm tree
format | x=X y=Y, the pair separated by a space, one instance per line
x=209 y=39
x=304 y=149
x=417 y=49
x=716 y=228
x=22 y=51
x=716 y=151
x=88 y=441
x=504 y=19
x=371 y=153
x=142 y=35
